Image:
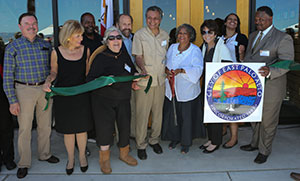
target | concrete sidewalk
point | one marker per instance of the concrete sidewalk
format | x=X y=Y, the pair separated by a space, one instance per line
x=223 y=164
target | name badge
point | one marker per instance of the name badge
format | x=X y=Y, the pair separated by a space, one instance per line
x=164 y=43
x=127 y=68
x=235 y=43
x=264 y=53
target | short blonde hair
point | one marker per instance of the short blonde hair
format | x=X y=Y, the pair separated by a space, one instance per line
x=69 y=28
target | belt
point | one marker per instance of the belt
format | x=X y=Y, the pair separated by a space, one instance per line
x=30 y=84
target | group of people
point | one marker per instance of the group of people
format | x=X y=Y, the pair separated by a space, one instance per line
x=175 y=99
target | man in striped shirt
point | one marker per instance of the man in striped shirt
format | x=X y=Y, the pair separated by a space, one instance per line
x=26 y=66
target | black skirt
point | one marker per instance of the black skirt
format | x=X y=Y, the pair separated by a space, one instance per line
x=72 y=113
x=189 y=121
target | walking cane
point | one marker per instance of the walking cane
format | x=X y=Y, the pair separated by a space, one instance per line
x=172 y=85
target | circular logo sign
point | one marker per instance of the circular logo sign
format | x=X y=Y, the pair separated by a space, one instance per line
x=234 y=92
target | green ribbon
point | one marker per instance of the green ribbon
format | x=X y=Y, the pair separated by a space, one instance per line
x=286 y=64
x=92 y=85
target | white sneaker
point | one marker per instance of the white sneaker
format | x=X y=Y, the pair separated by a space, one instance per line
x=91 y=140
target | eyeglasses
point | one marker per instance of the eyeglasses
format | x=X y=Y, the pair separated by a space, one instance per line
x=207 y=32
x=112 y=37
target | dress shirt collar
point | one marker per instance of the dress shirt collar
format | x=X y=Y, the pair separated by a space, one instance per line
x=125 y=38
x=148 y=29
x=26 y=39
x=265 y=31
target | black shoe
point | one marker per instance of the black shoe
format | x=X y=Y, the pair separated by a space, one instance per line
x=248 y=148
x=210 y=151
x=228 y=147
x=295 y=175
x=185 y=149
x=84 y=169
x=260 y=158
x=22 y=172
x=173 y=144
x=141 y=153
x=202 y=147
x=10 y=165
x=157 y=148
x=52 y=159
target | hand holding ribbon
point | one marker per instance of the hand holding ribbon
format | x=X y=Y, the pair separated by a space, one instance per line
x=93 y=85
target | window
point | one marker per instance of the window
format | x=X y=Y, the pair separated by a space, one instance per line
x=218 y=8
x=9 y=14
x=285 y=14
x=73 y=9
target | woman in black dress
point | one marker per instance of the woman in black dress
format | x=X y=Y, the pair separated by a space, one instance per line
x=72 y=113
x=111 y=103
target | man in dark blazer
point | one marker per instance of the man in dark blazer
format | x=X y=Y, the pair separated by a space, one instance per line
x=268 y=45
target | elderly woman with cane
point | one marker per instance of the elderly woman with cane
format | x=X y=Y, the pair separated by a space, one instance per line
x=184 y=65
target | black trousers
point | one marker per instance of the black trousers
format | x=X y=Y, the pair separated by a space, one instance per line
x=214 y=130
x=6 y=130
x=105 y=112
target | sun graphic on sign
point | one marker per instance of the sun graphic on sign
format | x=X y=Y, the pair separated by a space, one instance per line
x=235 y=79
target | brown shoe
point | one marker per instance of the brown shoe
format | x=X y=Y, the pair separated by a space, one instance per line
x=105 y=161
x=295 y=176
x=125 y=157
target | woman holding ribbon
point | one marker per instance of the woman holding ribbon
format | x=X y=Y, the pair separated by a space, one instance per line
x=184 y=65
x=72 y=113
x=213 y=50
x=112 y=103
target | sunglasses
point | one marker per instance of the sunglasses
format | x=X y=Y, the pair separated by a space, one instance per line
x=207 y=32
x=112 y=37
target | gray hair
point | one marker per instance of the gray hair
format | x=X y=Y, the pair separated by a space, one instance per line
x=155 y=8
x=190 y=30
x=108 y=31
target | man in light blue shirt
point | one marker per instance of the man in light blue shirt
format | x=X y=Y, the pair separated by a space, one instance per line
x=124 y=23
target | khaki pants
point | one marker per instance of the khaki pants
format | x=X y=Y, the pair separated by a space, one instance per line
x=146 y=103
x=33 y=98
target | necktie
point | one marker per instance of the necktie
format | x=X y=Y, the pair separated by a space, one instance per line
x=257 y=41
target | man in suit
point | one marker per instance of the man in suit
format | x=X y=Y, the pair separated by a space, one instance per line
x=268 y=45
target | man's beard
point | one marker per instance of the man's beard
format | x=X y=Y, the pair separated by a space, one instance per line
x=126 y=32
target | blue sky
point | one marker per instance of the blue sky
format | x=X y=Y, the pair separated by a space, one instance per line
x=285 y=14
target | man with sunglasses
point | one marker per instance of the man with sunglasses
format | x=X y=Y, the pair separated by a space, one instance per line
x=149 y=48
x=268 y=45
